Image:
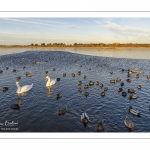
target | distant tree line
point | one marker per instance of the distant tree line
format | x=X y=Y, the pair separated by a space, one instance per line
x=88 y=45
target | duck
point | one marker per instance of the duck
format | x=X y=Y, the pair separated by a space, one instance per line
x=62 y=111
x=79 y=82
x=84 y=76
x=111 y=72
x=4 y=89
x=102 y=94
x=18 y=77
x=80 y=89
x=138 y=75
x=84 y=118
x=141 y=71
x=59 y=95
x=97 y=82
x=64 y=74
x=122 y=69
x=14 y=70
x=86 y=86
x=24 y=88
x=86 y=94
x=112 y=81
x=58 y=79
x=124 y=94
x=129 y=72
x=139 y=86
x=148 y=77
x=122 y=83
x=100 y=125
x=89 y=68
x=91 y=83
x=49 y=81
x=7 y=68
x=1 y=71
x=134 y=71
x=128 y=123
x=101 y=85
x=23 y=67
x=73 y=75
x=118 y=79
x=28 y=74
x=134 y=96
x=80 y=65
x=15 y=106
x=119 y=89
x=46 y=72
x=105 y=88
x=134 y=112
x=79 y=72
x=131 y=91
x=54 y=69
x=128 y=80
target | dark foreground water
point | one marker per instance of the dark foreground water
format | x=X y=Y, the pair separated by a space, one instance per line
x=39 y=107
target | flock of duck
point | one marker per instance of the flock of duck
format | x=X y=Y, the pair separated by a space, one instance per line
x=84 y=116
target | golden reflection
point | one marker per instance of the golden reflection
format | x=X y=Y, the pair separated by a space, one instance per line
x=19 y=102
x=49 y=92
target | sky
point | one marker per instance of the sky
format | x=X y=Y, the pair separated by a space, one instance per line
x=24 y=31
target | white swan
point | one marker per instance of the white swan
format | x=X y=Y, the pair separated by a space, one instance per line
x=24 y=88
x=49 y=81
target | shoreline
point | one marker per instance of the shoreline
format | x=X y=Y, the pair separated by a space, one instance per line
x=79 y=47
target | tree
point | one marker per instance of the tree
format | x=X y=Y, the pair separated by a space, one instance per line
x=42 y=44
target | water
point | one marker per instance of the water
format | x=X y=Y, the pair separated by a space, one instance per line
x=39 y=107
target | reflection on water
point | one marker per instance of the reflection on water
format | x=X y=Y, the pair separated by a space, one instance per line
x=49 y=92
x=133 y=53
x=39 y=107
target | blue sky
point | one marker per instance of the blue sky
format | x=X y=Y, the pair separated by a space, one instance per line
x=74 y=30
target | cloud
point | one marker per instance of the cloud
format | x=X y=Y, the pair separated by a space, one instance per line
x=83 y=20
x=126 y=30
x=41 y=23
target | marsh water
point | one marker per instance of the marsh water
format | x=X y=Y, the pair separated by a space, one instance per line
x=39 y=107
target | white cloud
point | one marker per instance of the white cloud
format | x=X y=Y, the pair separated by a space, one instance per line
x=126 y=30
x=41 y=23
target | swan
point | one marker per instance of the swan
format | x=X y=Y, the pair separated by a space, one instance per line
x=24 y=88
x=49 y=81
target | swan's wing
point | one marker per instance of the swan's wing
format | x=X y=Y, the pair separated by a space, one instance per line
x=53 y=82
x=26 y=88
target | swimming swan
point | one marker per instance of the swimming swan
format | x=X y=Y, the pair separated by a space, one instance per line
x=24 y=88
x=49 y=81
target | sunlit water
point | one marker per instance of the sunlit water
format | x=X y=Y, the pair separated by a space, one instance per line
x=39 y=107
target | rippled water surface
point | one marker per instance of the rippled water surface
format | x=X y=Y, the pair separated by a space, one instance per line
x=39 y=107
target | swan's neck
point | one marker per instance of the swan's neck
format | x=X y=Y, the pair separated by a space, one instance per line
x=48 y=82
x=19 y=88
